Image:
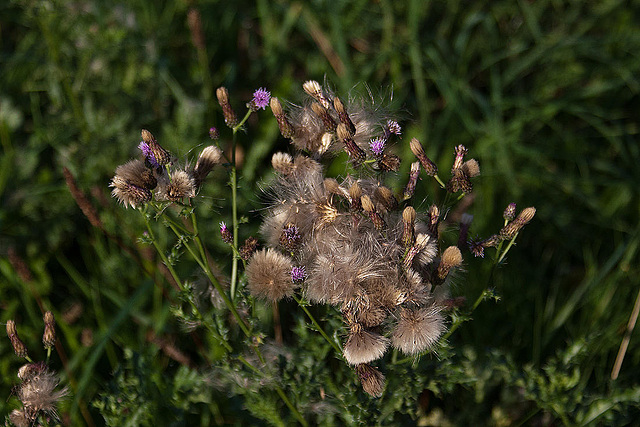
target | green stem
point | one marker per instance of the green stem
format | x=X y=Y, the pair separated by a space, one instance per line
x=234 y=205
x=293 y=409
x=317 y=325
x=179 y=282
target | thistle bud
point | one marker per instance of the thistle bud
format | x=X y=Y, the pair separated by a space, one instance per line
x=329 y=124
x=388 y=162
x=461 y=151
x=510 y=212
x=283 y=123
x=413 y=180
x=370 y=209
x=18 y=346
x=372 y=380
x=154 y=154
x=451 y=258
x=355 y=192
x=434 y=219
x=477 y=247
x=427 y=164
x=420 y=243
x=356 y=153
x=408 y=220
x=49 y=336
x=230 y=117
x=225 y=233
x=510 y=230
x=343 y=116
x=314 y=90
x=214 y=133
x=248 y=248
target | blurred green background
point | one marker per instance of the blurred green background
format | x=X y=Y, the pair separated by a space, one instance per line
x=545 y=94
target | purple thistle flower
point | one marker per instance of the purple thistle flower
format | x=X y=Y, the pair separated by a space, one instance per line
x=298 y=274
x=290 y=237
x=377 y=146
x=148 y=153
x=227 y=237
x=394 y=127
x=261 y=98
x=214 y=133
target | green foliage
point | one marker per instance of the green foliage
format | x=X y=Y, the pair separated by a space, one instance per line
x=545 y=95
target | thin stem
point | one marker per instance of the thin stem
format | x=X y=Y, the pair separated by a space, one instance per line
x=195 y=309
x=633 y=318
x=234 y=205
x=293 y=409
x=315 y=323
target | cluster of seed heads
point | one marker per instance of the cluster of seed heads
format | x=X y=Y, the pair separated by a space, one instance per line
x=351 y=242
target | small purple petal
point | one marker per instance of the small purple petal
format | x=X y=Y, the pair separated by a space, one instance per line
x=148 y=154
x=298 y=274
x=394 y=127
x=261 y=98
x=377 y=146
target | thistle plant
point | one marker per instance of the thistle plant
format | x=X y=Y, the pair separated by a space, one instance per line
x=350 y=242
x=38 y=389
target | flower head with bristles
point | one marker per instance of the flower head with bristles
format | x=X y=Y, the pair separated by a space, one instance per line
x=260 y=99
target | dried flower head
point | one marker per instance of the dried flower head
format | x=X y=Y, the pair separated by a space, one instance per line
x=282 y=163
x=49 y=336
x=18 y=346
x=417 y=330
x=210 y=157
x=418 y=151
x=129 y=194
x=364 y=346
x=510 y=230
x=135 y=172
x=451 y=258
x=181 y=185
x=230 y=117
x=283 y=123
x=269 y=275
x=372 y=380
x=37 y=391
x=509 y=212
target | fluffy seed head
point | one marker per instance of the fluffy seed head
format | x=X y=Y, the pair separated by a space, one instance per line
x=37 y=392
x=385 y=197
x=471 y=168
x=417 y=330
x=282 y=163
x=210 y=157
x=364 y=346
x=372 y=380
x=269 y=275
x=129 y=194
x=323 y=113
x=135 y=172
x=182 y=185
x=314 y=90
